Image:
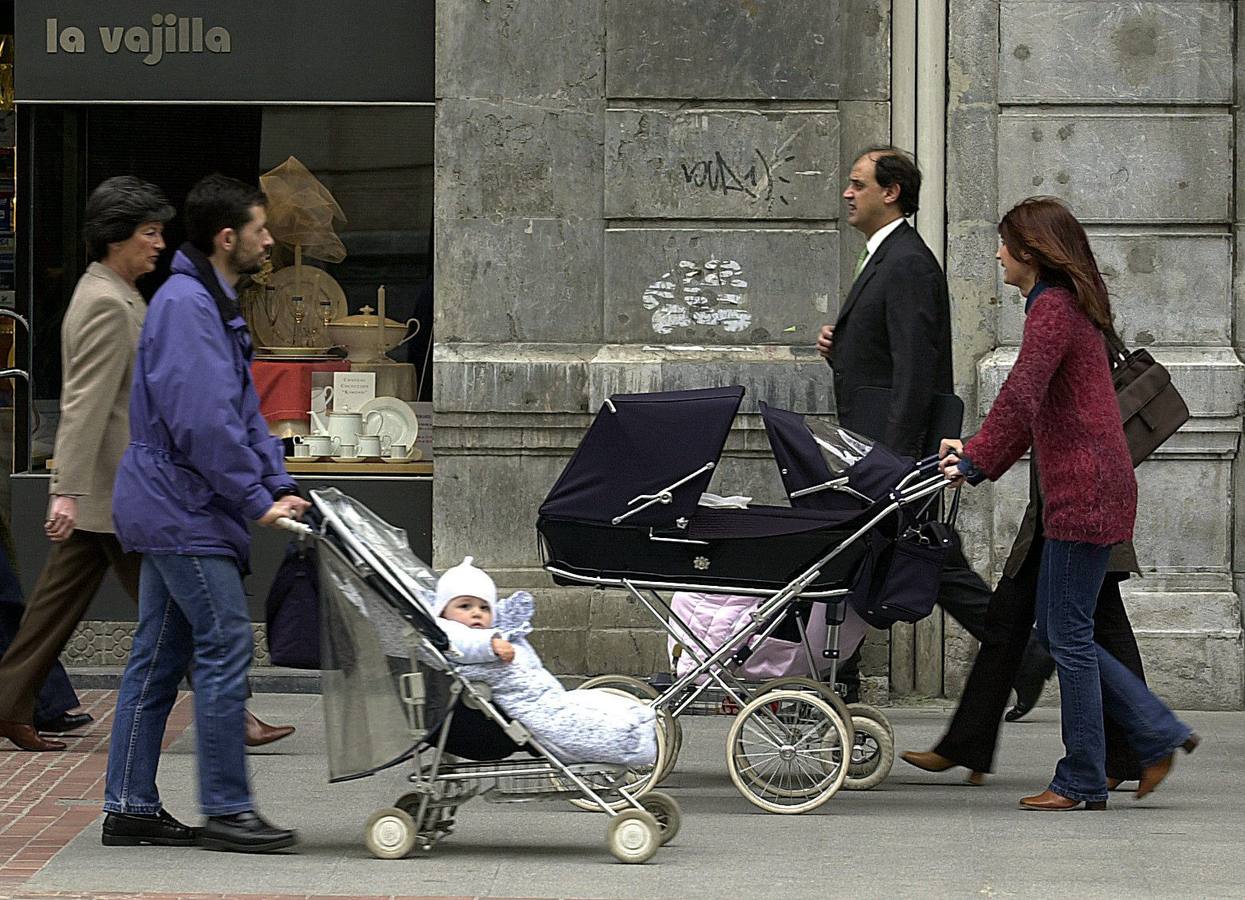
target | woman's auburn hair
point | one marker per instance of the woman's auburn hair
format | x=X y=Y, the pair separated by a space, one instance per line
x=1043 y=232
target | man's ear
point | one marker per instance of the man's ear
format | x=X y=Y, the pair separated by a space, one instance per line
x=226 y=238
x=891 y=194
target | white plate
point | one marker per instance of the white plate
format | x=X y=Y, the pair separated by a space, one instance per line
x=398 y=420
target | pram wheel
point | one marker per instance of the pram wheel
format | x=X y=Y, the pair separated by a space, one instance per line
x=787 y=751
x=872 y=712
x=873 y=753
x=389 y=833
x=669 y=724
x=665 y=810
x=637 y=781
x=633 y=836
x=824 y=691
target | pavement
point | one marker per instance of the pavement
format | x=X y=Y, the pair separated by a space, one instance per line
x=915 y=835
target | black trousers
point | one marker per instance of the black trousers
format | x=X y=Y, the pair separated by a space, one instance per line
x=973 y=734
x=966 y=598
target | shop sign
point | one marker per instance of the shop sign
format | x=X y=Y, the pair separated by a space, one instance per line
x=236 y=51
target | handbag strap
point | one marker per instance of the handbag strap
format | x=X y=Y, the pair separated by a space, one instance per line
x=1117 y=352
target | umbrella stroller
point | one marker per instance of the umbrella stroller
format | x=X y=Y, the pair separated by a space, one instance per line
x=625 y=514
x=392 y=694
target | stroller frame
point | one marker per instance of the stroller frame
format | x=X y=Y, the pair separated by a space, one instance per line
x=641 y=820
x=715 y=667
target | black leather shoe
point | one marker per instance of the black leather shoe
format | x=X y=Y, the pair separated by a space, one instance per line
x=1018 y=712
x=245 y=832
x=64 y=723
x=161 y=830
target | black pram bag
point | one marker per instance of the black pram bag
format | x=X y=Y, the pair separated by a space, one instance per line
x=904 y=583
x=293 y=610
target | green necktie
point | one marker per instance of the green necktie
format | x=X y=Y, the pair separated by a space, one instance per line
x=860 y=262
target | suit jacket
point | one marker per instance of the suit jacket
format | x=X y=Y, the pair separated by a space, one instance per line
x=894 y=331
x=99 y=336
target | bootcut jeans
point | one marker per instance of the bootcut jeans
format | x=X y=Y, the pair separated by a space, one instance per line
x=189 y=608
x=1090 y=678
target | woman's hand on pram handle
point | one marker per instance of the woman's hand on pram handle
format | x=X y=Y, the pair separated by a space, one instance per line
x=503 y=649
x=291 y=506
x=949 y=450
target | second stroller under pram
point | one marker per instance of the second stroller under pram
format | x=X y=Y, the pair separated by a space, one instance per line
x=625 y=514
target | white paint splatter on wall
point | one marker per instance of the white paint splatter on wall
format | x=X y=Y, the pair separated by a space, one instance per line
x=711 y=294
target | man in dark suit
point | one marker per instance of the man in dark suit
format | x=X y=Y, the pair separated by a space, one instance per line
x=894 y=331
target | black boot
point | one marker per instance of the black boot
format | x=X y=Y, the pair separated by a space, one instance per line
x=160 y=829
x=245 y=832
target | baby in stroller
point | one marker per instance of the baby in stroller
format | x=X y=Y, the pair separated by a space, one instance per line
x=489 y=637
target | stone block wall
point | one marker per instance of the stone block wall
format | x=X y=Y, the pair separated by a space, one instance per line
x=1126 y=110
x=632 y=196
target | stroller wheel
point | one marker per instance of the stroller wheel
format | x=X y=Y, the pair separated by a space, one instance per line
x=633 y=836
x=873 y=752
x=665 y=810
x=824 y=691
x=872 y=712
x=389 y=833
x=787 y=751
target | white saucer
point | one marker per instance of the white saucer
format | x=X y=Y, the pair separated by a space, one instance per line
x=348 y=458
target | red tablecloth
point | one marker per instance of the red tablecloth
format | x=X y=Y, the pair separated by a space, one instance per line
x=285 y=387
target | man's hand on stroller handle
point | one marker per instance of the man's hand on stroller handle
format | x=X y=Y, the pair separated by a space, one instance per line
x=949 y=450
x=291 y=506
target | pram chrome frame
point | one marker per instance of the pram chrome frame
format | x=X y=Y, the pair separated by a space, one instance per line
x=640 y=819
x=716 y=667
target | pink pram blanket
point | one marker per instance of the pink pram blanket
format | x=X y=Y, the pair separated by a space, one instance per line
x=715 y=617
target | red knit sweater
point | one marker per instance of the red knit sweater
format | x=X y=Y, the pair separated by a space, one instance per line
x=1059 y=398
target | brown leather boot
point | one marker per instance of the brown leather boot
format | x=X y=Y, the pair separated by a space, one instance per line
x=26 y=738
x=1049 y=801
x=259 y=733
x=930 y=761
x=1152 y=776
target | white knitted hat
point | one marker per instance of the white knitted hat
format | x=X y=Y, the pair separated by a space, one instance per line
x=464 y=580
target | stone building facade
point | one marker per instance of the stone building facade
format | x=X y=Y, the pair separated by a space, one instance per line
x=645 y=195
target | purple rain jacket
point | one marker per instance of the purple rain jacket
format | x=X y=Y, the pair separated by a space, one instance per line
x=201 y=462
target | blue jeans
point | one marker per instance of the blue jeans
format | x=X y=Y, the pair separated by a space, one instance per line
x=1090 y=677
x=189 y=608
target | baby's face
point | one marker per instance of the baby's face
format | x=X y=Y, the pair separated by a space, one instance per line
x=470 y=611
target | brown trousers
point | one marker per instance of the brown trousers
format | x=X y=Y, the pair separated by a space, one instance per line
x=73 y=573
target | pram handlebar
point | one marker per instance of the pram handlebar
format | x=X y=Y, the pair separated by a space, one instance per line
x=299 y=528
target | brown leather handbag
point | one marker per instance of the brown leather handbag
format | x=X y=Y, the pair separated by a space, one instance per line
x=1150 y=405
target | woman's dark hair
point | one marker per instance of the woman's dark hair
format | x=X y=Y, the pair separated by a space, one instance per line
x=894 y=166
x=219 y=202
x=116 y=209
x=1043 y=232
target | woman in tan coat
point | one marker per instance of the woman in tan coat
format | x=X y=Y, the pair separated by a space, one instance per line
x=124 y=234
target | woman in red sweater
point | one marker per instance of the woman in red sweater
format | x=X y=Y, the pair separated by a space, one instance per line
x=1060 y=400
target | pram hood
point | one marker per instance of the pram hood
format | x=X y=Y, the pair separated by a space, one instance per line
x=646 y=458
x=811 y=452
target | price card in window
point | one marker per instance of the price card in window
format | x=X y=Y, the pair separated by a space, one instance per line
x=352 y=389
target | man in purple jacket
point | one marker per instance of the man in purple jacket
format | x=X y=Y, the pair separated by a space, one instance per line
x=200 y=467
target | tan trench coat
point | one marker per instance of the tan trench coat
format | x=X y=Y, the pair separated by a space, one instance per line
x=99 y=337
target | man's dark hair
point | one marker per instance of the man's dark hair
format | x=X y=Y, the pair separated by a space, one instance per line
x=895 y=166
x=218 y=202
x=116 y=209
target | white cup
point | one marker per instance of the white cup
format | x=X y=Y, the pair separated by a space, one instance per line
x=373 y=444
x=320 y=444
x=302 y=449
x=399 y=451
x=348 y=451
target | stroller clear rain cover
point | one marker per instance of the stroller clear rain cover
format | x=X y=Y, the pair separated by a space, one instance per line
x=366 y=644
